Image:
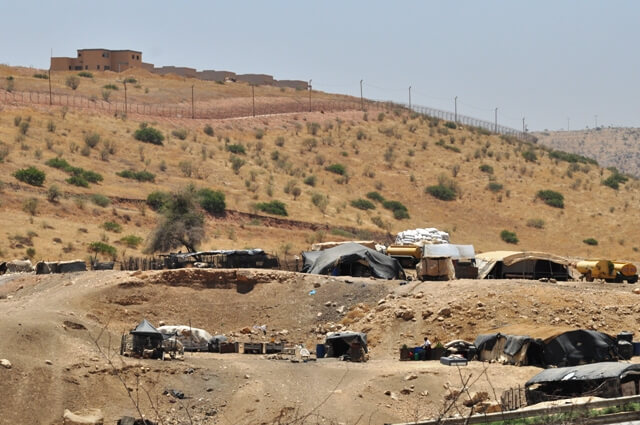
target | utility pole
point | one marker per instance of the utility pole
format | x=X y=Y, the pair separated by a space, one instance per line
x=455 y=108
x=409 y=97
x=596 y=118
x=567 y=123
x=310 y=95
x=193 y=115
x=496 y=124
x=524 y=128
x=253 y=97
x=126 y=110
x=50 y=59
x=361 y=98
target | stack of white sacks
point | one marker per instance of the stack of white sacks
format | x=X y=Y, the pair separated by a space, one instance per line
x=429 y=235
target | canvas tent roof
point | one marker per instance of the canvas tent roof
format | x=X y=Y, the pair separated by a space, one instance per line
x=487 y=260
x=323 y=262
x=145 y=329
x=348 y=337
x=594 y=371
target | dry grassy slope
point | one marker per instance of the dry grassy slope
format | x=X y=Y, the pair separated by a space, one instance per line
x=477 y=217
x=611 y=147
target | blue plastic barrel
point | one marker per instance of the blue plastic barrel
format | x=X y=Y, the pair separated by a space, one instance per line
x=320 y=351
x=636 y=348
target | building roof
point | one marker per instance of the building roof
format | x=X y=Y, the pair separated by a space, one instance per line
x=145 y=329
x=111 y=50
x=603 y=370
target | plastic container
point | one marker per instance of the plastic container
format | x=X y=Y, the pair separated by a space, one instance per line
x=320 y=351
x=636 y=348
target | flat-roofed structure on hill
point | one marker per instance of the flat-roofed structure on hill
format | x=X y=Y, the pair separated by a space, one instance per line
x=99 y=60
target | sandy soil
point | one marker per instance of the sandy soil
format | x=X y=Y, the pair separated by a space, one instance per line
x=59 y=318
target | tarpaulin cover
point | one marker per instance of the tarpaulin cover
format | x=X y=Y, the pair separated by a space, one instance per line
x=579 y=347
x=323 y=262
x=348 y=337
x=145 y=329
x=456 y=252
x=594 y=371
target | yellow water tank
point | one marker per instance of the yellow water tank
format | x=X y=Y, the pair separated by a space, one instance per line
x=596 y=269
x=625 y=269
x=405 y=251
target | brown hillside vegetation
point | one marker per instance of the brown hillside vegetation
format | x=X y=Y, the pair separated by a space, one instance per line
x=395 y=153
x=50 y=324
x=611 y=147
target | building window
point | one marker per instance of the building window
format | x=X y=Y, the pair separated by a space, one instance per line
x=133 y=56
x=105 y=54
x=107 y=67
x=69 y=67
x=138 y=57
x=78 y=67
x=97 y=66
x=79 y=54
x=86 y=67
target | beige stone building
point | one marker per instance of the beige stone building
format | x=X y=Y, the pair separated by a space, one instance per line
x=99 y=60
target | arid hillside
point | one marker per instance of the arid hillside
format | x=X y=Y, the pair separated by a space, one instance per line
x=611 y=147
x=339 y=175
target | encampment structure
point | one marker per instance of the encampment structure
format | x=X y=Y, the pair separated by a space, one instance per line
x=608 y=380
x=521 y=265
x=546 y=346
x=351 y=259
x=350 y=344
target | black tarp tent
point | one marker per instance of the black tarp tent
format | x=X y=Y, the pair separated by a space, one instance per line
x=338 y=343
x=546 y=348
x=147 y=337
x=605 y=379
x=351 y=259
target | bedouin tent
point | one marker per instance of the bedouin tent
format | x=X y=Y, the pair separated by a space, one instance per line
x=338 y=343
x=606 y=379
x=546 y=347
x=521 y=265
x=351 y=259
x=146 y=337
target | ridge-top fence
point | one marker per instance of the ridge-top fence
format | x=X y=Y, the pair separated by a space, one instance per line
x=247 y=108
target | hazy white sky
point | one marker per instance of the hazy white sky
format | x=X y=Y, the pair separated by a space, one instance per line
x=543 y=60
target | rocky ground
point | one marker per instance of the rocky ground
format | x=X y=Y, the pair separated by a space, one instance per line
x=61 y=335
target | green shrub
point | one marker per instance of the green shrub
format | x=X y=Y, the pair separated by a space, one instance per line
x=590 y=241
x=148 y=135
x=130 y=80
x=141 y=176
x=41 y=76
x=614 y=180
x=310 y=180
x=110 y=87
x=551 y=198
x=78 y=181
x=495 y=187
x=212 y=201
x=309 y=143
x=131 y=241
x=103 y=248
x=208 y=130
x=180 y=133
x=451 y=125
x=30 y=206
x=313 y=128
x=23 y=128
x=363 y=204
x=571 y=157
x=85 y=74
x=509 y=237
x=100 y=200
x=58 y=163
x=90 y=176
x=236 y=148
x=337 y=169
x=259 y=134
x=273 y=207
x=375 y=196
x=452 y=148
x=320 y=200
x=236 y=163
x=536 y=223
x=92 y=140
x=486 y=168
x=31 y=176
x=158 y=199
x=530 y=156
x=441 y=192
x=112 y=226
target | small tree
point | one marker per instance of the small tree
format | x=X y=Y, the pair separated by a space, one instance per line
x=509 y=237
x=182 y=224
x=148 y=135
x=30 y=175
x=212 y=201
